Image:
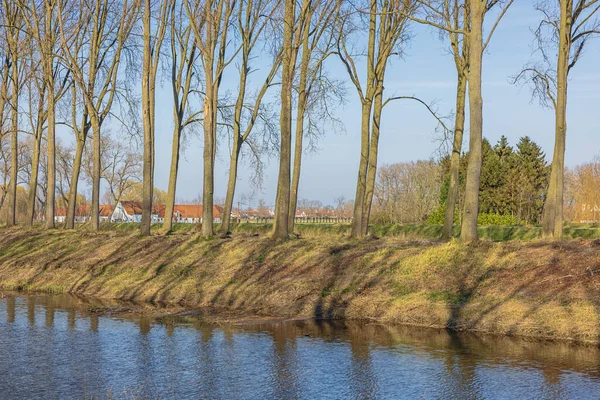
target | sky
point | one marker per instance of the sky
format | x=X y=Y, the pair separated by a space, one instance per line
x=408 y=132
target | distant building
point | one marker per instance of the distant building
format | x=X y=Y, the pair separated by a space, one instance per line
x=82 y=213
x=192 y=213
x=106 y=211
x=131 y=211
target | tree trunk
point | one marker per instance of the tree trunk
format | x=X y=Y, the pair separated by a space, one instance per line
x=95 y=208
x=231 y=183
x=33 y=181
x=552 y=225
x=147 y=126
x=282 y=206
x=373 y=153
x=238 y=140
x=72 y=206
x=471 y=206
x=300 y=113
x=168 y=223
x=459 y=126
x=14 y=146
x=298 y=148
x=208 y=182
x=51 y=138
x=361 y=184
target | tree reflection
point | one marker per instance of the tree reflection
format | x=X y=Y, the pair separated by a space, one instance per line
x=10 y=309
x=31 y=310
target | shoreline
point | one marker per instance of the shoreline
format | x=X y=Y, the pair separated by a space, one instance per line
x=539 y=290
x=224 y=317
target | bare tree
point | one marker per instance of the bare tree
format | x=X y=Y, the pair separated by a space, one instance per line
x=5 y=72
x=41 y=19
x=152 y=43
x=317 y=42
x=92 y=37
x=254 y=17
x=294 y=24
x=122 y=168
x=13 y=27
x=36 y=118
x=477 y=44
x=210 y=21
x=386 y=22
x=184 y=80
x=567 y=26
x=453 y=16
x=441 y=14
x=407 y=192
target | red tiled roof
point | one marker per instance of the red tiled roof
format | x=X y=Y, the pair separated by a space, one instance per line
x=159 y=210
x=184 y=210
x=106 y=210
x=84 y=211
x=195 y=210
x=132 y=207
x=135 y=207
x=80 y=211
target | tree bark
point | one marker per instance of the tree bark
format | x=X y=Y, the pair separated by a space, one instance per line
x=72 y=205
x=231 y=183
x=51 y=174
x=459 y=126
x=373 y=153
x=33 y=181
x=96 y=168
x=361 y=185
x=471 y=206
x=298 y=147
x=168 y=222
x=237 y=143
x=208 y=181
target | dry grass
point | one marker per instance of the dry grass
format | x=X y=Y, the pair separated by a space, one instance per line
x=534 y=289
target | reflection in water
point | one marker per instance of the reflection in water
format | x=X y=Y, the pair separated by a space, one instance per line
x=31 y=310
x=75 y=353
x=71 y=318
x=362 y=375
x=49 y=307
x=10 y=309
x=94 y=323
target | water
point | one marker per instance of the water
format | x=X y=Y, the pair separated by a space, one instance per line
x=52 y=347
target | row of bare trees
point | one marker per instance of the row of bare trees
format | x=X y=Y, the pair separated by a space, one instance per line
x=78 y=64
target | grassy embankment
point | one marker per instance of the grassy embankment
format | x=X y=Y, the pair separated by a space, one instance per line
x=532 y=288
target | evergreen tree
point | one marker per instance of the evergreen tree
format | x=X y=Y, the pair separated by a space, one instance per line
x=531 y=181
x=497 y=162
x=513 y=182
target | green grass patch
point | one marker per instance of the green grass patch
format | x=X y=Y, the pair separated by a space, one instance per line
x=444 y=296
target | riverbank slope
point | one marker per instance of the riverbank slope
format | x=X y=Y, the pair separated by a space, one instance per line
x=534 y=288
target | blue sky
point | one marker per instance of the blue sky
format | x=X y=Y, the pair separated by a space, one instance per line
x=408 y=131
